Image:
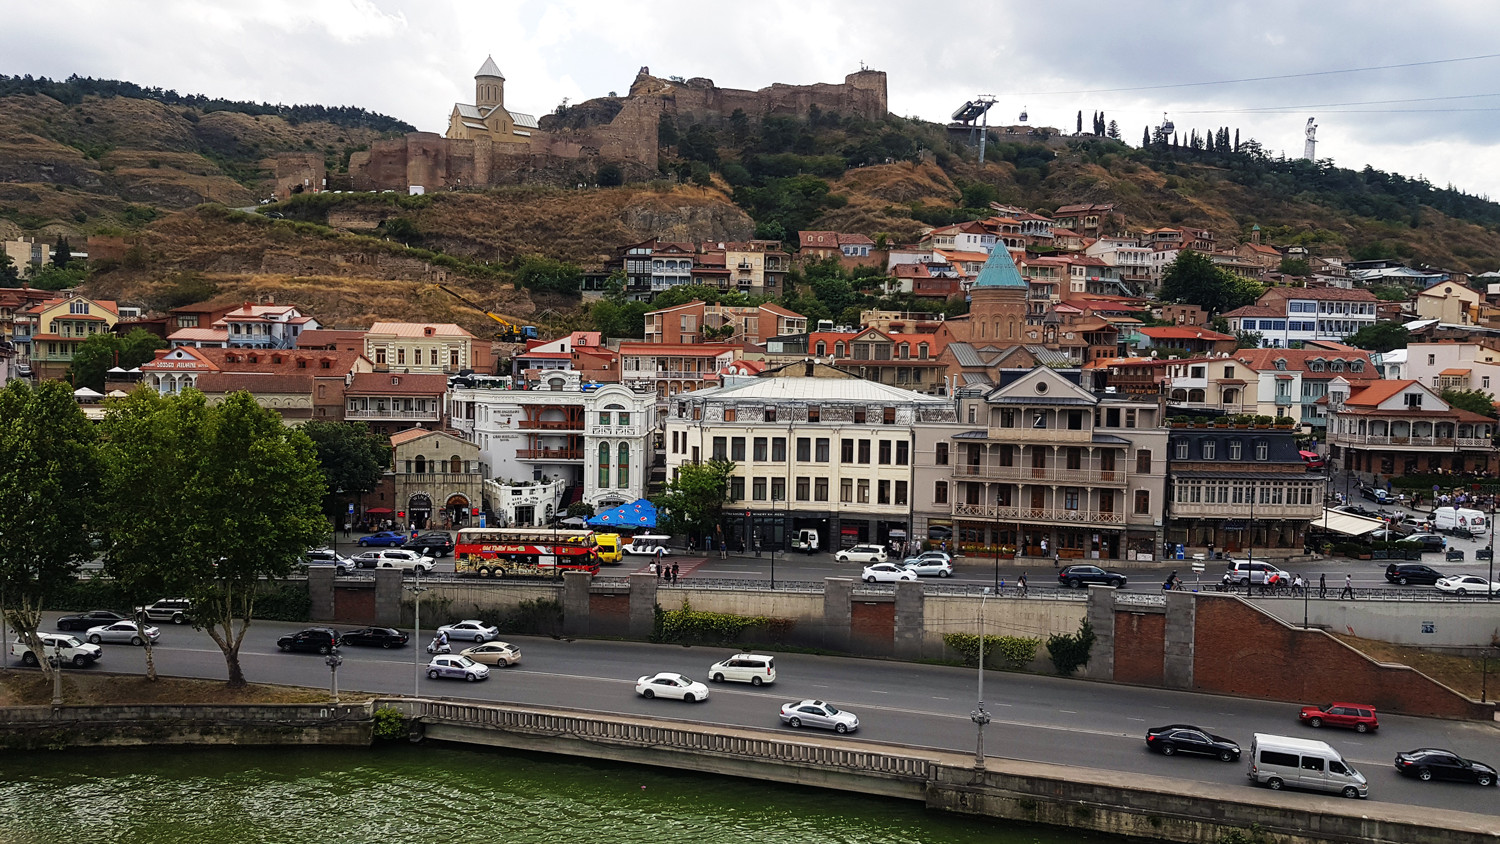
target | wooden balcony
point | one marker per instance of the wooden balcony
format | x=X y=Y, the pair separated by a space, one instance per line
x=1383 y=440
x=393 y=415
x=1243 y=511
x=551 y=424
x=1086 y=476
x=1033 y=436
x=551 y=454
x=1058 y=515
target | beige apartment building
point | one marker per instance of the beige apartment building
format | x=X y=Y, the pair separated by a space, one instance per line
x=440 y=348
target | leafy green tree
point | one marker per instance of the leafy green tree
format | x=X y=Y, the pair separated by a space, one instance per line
x=49 y=472
x=402 y=229
x=548 y=275
x=1379 y=337
x=1248 y=339
x=1394 y=293
x=53 y=277
x=693 y=503
x=101 y=352
x=979 y=194
x=1295 y=266
x=739 y=127
x=1474 y=401
x=1195 y=279
x=581 y=509
x=352 y=458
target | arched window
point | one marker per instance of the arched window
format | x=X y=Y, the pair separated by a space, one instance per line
x=421 y=465
x=455 y=464
x=604 y=465
x=623 y=475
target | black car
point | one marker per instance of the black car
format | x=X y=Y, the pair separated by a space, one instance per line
x=1077 y=576
x=92 y=618
x=434 y=543
x=1430 y=763
x=1407 y=573
x=385 y=637
x=1186 y=738
x=1377 y=495
x=316 y=639
x=1357 y=510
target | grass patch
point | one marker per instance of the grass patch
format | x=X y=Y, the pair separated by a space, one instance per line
x=28 y=687
x=1463 y=674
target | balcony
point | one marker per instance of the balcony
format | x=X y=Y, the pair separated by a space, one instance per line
x=1059 y=474
x=549 y=454
x=393 y=415
x=1033 y=436
x=1243 y=511
x=551 y=424
x=1411 y=442
x=1003 y=513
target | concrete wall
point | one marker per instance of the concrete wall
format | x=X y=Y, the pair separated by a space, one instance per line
x=1437 y=624
x=46 y=728
x=1004 y=616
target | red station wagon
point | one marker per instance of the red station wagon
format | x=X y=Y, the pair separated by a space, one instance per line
x=1356 y=716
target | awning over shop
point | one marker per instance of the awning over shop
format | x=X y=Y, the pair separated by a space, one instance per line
x=637 y=514
x=1347 y=524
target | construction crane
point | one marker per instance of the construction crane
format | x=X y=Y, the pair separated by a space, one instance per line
x=509 y=331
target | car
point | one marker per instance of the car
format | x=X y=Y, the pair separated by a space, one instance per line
x=494 y=653
x=755 y=669
x=394 y=558
x=1246 y=572
x=122 y=631
x=85 y=620
x=886 y=573
x=328 y=557
x=668 y=684
x=1359 y=717
x=1312 y=459
x=1377 y=495
x=648 y=544
x=816 y=713
x=1076 y=576
x=457 y=667
x=1430 y=541
x=175 y=610
x=382 y=539
x=1357 y=510
x=935 y=555
x=1186 y=738
x=1464 y=584
x=470 y=628
x=434 y=543
x=384 y=637
x=79 y=654
x=321 y=640
x=1409 y=573
x=929 y=567
x=1388 y=535
x=1431 y=763
x=862 y=554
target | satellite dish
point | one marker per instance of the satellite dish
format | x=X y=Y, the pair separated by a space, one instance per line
x=1023 y=114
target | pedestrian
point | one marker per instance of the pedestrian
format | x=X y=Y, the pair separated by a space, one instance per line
x=347 y=527
x=1044 y=546
x=1054 y=559
x=1297 y=585
x=1322 y=586
x=1021 y=582
x=651 y=567
x=1348 y=587
x=1171 y=579
x=1001 y=582
x=674 y=574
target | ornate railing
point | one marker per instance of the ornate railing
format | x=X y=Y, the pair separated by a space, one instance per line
x=1039 y=514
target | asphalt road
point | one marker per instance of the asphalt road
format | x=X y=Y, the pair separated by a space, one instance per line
x=1035 y=718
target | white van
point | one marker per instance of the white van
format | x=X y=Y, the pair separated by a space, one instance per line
x=1447 y=519
x=807 y=540
x=648 y=543
x=754 y=669
x=1282 y=762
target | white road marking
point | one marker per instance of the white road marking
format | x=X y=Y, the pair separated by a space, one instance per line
x=935 y=697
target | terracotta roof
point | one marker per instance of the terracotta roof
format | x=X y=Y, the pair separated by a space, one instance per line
x=389 y=384
x=418 y=329
x=1182 y=332
x=315 y=337
x=266 y=360
x=1086 y=207
x=1252 y=311
x=1296 y=359
x=1318 y=293
x=1455 y=372
x=254 y=382
x=780 y=311
x=410 y=434
x=703 y=349
x=1377 y=392
x=215 y=334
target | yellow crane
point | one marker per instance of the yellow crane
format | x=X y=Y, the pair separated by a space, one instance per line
x=509 y=331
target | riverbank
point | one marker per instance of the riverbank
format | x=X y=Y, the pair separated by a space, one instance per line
x=26 y=687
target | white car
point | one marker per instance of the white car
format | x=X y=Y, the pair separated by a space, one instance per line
x=862 y=554
x=754 y=669
x=928 y=567
x=494 y=653
x=472 y=629
x=57 y=644
x=394 y=558
x=648 y=544
x=328 y=557
x=1463 y=584
x=121 y=631
x=816 y=713
x=458 y=667
x=935 y=555
x=887 y=573
x=669 y=684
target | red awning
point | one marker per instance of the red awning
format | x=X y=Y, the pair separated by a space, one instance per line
x=378 y=511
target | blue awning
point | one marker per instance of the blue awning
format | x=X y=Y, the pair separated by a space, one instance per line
x=637 y=514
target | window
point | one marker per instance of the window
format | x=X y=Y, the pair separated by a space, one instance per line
x=1143 y=461
x=1143 y=502
x=622 y=474
x=1208 y=449
x=1431 y=360
x=719 y=449
x=1130 y=417
x=942 y=454
x=770 y=415
x=804 y=450
x=432 y=356
x=737 y=449
x=940 y=492
x=622 y=418
x=1262 y=450
x=820 y=489
x=804 y=486
x=1181 y=450
x=1075 y=420
x=863 y=496
x=889 y=416
x=822 y=450
x=846 y=491
x=1112 y=417
x=900 y=493
x=883 y=493
x=814 y=413
x=822 y=348
x=737 y=489
x=864 y=452
x=758 y=489
x=903 y=453
x=778 y=449
x=453 y=358
x=380 y=356
x=1039 y=419
x=846 y=451
x=1414 y=400
x=604 y=465
x=759 y=454
x=885 y=452
x=1074 y=458
x=401 y=356
x=731 y=414
x=1007 y=418
x=778 y=489
x=859 y=415
x=1234 y=449
x=604 y=417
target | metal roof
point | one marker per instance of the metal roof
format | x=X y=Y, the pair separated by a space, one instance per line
x=825 y=390
x=489 y=68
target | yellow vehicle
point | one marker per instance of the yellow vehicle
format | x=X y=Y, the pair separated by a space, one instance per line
x=509 y=331
x=609 y=547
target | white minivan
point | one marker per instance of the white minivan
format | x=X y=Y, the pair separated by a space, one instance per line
x=1448 y=519
x=754 y=669
x=1282 y=762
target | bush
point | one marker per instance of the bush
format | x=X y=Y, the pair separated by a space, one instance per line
x=1070 y=652
x=285 y=602
x=390 y=724
x=1011 y=652
x=691 y=627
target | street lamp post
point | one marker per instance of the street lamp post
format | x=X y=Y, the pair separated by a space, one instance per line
x=56 y=671
x=979 y=715
x=334 y=661
x=1250 y=558
x=772 y=530
x=1489 y=592
x=416 y=589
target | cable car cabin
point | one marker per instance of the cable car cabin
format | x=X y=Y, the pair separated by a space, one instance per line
x=524 y=552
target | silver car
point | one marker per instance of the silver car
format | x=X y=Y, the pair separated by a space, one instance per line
x=457 y=667
x=121 y=631
x=816 y=713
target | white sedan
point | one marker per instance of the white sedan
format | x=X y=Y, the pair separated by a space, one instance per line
x=1463 y=584
x=471 y=628
x=928 y=567
x=886 y=573
x=668 y=684
x=121 y=631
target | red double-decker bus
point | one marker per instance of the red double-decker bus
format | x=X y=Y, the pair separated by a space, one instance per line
x=524 y=552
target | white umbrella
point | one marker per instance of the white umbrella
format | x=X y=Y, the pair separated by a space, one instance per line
x=86 y=393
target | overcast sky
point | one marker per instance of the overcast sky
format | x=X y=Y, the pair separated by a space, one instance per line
x=414 y=59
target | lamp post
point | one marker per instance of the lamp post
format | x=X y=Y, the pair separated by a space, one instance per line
x=1250 y=558
x=334 y=661
x=1489 y=592
x=979 y=715
x=56 y=671
x=997 y=549
x=772 y=530
x=416 y=589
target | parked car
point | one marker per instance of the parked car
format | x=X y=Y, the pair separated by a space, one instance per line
x=1409 y=573
x=935 y=555
x=328 y=557
x=175 y=610
x=668 y=684
x=1388 y=535
x=1186 y=738
x=754 y=669
x=1376 y=494
x=382 y=637
x=313 y=639
x=1431 y=763
x=1076 y=576
x=457 y=667
x=471 y=628
x=434 y=543
x=1357 y=510
x=494 y=653
x=1359 y=717
x=69 y=648
x=122 y=631
x=1246 y=572
x=382 y=539
x=862 y=554
x=394 y=558
x=929 y=567
x=1464 y=584
x=85 y=620
x=886 y=573
x=1430 y=541
x=816 y=713
x=1312 y=459
x=648 y=544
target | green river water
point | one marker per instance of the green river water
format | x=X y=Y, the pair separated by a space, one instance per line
x=436 y=794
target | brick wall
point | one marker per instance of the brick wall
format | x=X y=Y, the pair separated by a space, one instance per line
x=609 y=615
x=1140 y=639
x=354 y=604
x=872 y=627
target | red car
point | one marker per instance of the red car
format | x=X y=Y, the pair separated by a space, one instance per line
x=1358 y=716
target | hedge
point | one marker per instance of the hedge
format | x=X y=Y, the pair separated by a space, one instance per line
x=1011 y=652
x=693 y=627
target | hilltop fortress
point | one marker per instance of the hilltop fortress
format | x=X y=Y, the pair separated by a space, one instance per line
x=489 y=144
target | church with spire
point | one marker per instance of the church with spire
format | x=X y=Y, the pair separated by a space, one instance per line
x=997 y=302
x=487 y=116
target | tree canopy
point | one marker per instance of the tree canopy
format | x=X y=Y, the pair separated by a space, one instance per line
x=100 y=352
x=693 y=502
x=1193 y=278
x=1379 y=337
x=1474 y=401
x=351 y=456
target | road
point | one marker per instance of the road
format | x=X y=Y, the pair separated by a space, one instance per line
x=1036 y=718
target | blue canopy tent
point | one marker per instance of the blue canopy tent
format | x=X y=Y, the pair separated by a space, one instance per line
x=637 y=514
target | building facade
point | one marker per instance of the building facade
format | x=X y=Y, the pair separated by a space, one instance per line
x=437 y=479
x=1239 y=489
x=1404 y=428
x=441 y=348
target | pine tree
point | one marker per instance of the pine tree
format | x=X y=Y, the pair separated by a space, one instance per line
x=1209 y=141
x=1080 y=121
x=1146 y=137
x=1113 y=131
x=1236 y=140
x=1100 y=129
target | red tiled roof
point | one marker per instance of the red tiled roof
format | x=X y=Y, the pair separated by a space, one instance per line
x=1329 y=294
x=1182 y=332
x=1377 y=392
x=398 y=384
x=254 y=382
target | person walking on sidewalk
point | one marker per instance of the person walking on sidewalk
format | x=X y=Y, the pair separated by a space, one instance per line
x=1021 y=582
x=1348 y=587
x=1322 y=586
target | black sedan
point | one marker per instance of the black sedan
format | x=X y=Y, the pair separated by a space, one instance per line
x=1186 y=738
x=92 y=618
x=1430 y=763
x=384 y=637
x=1077 y=576
x=434 y=543
x=1408 y=573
